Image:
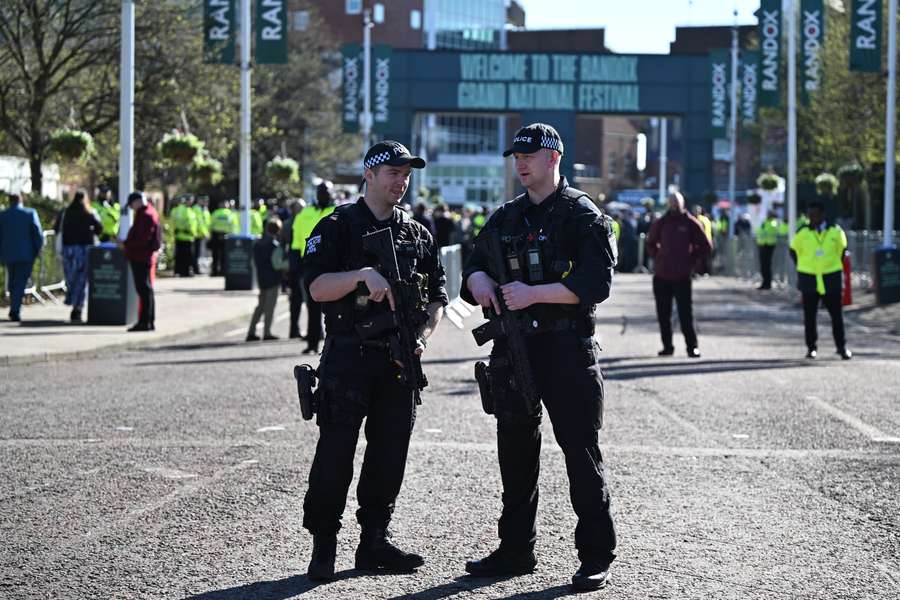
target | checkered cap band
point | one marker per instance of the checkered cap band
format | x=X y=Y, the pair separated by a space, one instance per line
x=377 y=159
x=550 y=142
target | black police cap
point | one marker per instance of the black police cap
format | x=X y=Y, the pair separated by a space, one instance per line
x=532 y=138
x=391 y=153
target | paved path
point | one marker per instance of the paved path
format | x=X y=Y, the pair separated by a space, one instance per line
x=183 y=305
x=178 y=470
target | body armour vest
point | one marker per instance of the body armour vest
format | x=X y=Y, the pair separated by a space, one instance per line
x=546 y=252
x=342 y=315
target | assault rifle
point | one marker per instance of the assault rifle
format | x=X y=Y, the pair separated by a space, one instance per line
x=401 y=325
x=508 y=325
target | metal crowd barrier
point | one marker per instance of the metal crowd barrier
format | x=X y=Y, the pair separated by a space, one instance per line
x=46 y=276
x=458 y=309
x=739 y=258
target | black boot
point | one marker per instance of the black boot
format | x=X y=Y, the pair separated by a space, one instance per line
x=321 y=566
x=592 y=575
x=375 y=551
x=502 y=562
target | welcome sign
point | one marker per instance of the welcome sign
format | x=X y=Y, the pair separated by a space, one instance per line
x=569 y=82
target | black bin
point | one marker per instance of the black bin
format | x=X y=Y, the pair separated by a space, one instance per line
x=240 y=273
x=886 y=275
x=112 y=299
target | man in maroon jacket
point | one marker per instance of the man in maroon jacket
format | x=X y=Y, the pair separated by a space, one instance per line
x=677 y=242
x=142 y=241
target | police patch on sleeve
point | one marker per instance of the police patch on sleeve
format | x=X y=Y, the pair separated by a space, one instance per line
x=312 y=244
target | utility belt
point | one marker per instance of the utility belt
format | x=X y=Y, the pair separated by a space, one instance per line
x=535 y=324
x=351 y=339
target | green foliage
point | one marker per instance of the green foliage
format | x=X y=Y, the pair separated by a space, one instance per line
x=71 y=144
x=179 y=148
x=768 y=181
x=827 y=184
x=283 y=169
x=206 y=170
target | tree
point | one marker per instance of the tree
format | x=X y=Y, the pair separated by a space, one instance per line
x=49 y=49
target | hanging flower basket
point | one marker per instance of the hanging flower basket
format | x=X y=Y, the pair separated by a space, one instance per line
x=179 y=148
x=827 y=184
x=769 y=182
x=851 y=174
x=282 y=169
x=71 y=144
x=206 y=170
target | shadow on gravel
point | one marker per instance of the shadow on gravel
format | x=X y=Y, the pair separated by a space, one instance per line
x=279 y=589
x=450 y=361
x=661 y=369
x=208 y=361
x=463 y=583
x=37 y=323
x=199 y=346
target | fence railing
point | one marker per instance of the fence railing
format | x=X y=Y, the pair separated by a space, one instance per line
x=46 y=275
x=739 y=258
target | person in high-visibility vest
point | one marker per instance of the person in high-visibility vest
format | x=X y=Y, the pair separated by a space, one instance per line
x=766 y=240
x=109 y=212
x=818 y=250
x=305 y=221
x=222 y=221
x=185 y=224
x=257 y=217
x=201 y=210
x=703 y=264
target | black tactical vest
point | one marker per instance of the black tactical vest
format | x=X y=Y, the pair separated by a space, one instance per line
x=410 y=246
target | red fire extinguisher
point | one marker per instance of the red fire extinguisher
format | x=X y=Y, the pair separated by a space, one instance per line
x=847 y=299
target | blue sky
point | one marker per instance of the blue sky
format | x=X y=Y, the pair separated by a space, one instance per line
x=641 y=26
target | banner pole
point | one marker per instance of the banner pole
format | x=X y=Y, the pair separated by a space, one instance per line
x=891 y=133
x=792 y=117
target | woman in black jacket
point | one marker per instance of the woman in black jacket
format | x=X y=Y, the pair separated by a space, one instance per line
x=79 y=226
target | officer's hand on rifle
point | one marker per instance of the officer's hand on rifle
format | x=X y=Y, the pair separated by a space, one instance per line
x=518 y=295
x=483 y=289
x=378 y=286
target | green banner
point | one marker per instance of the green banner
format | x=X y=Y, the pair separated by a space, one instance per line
x=719 y=63
x=271 y=32
x=865 y=36
x=770 y=53
x=748 y=73
x=381 y=88
x=812 y=42
x=351 y=86
x=218 y=31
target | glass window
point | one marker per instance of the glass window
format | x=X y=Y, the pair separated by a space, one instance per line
x=301 y=20
x=354 y=7
x=415 y=19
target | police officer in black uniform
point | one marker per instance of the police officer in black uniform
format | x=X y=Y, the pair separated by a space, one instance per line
x=564 y=250
x=358 y=379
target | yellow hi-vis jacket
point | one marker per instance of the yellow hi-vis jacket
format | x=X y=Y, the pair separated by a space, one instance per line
x=224 y=220
x=185 y=222
x=203 y=221
x=768 y=232
x=820 y=252
x=304 y=223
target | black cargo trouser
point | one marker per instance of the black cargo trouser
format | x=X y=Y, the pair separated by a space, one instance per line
x=664 y=291
x=766 y=252
x=358 y=384
x=184 y=257
x=217 y=243
x=833 y=304
x=570 y=383
x=295 y=278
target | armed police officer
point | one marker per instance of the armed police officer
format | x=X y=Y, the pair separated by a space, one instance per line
x=381 y=301
x=545 y=260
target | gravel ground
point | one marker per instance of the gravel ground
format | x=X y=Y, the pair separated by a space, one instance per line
x=178 y=471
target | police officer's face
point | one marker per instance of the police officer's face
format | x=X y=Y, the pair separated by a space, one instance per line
x=389 y=183
x=533 y=169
